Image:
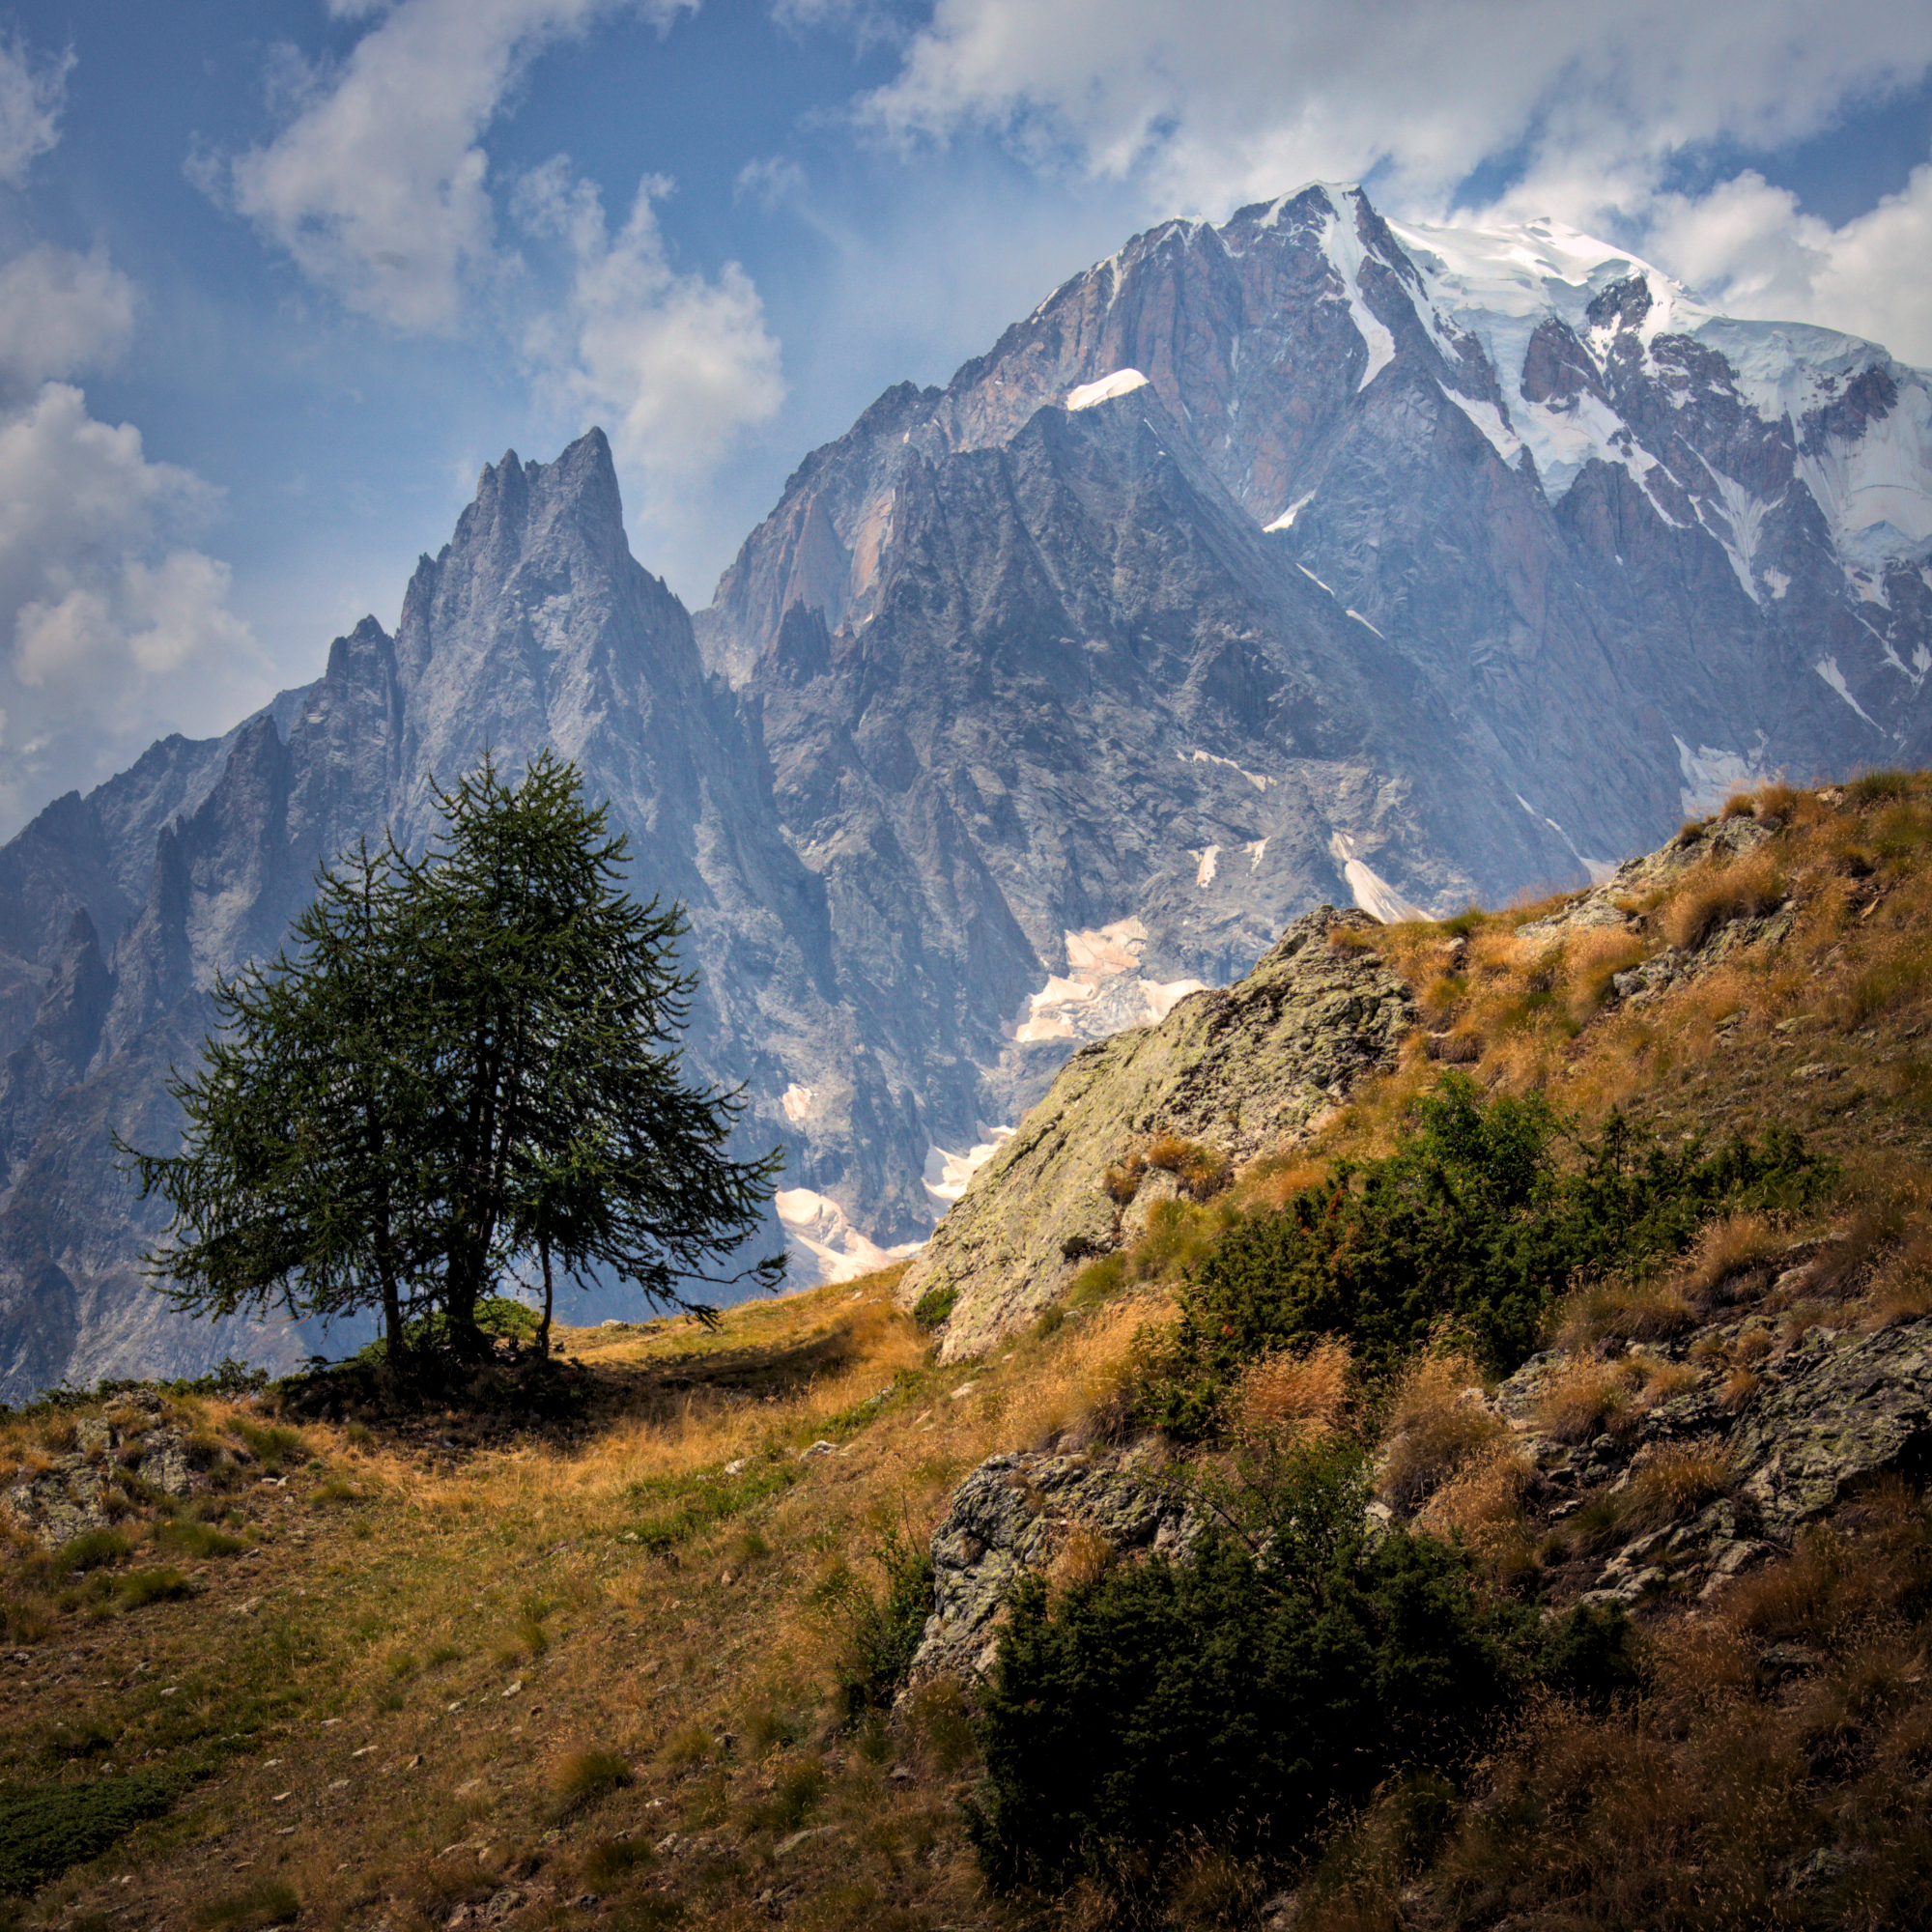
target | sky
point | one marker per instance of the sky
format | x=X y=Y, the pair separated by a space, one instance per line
x=278 y=276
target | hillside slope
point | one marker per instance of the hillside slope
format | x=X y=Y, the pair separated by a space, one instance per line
x=305 y=1657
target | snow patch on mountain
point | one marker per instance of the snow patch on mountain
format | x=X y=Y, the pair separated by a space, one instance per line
x=1372 y=892
x=1286 y=521
x=1342 y=243
x=947 y=1174
x=1102 y=989
x=1122 y=383
x=796 y=1103
x=821 y=1243
x=1255 y=779
x=1828 y=669
x=1713 y=774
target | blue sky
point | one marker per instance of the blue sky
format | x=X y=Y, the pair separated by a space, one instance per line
x=276 y=277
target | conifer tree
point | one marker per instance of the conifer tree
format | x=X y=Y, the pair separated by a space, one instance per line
x=466 y=1068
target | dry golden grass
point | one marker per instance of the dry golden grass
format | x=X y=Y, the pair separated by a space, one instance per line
x=1673 y=1482
x=1436 y=1422
x=1482 y=1504
x=1731 y=1247
x=1641 y=1308
x=1302 y=1394
x=1587 y=1397
x=1713 y=893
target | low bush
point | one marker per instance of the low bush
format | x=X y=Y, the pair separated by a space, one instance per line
x=1674 y=1483
x=1470 y=1223
x=878 y=1631
x=1238 y=1701
x=90 y=1549
x=44 y=1829
x=584 y=1778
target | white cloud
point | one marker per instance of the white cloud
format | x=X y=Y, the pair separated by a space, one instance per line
x=33 y=90
x=1213 y=105
x=674 y=366
x=378 y=187
x=61 y=314
x=112 y=623
x=1748 y=248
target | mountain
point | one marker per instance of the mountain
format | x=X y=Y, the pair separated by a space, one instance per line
x=1306 y=558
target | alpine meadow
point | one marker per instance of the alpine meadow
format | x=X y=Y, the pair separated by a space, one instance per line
x=1160 y=1161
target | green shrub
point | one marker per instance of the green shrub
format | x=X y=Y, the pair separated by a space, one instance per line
x=1241 y=1700
x=44 y=1829
x=1470 y=1223
x=197 y=1541
x=611 y=1862
x=269 y=1901
x=275 y=1448
x=933 y=1307
x=881 y=1632
x=90 y=1549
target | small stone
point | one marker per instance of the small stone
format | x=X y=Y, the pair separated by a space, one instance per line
x=737 y=1466
x=511 y=1689
x=798 y=1839
x=818 y=1449
x=963 y=1390
x=282 y=1797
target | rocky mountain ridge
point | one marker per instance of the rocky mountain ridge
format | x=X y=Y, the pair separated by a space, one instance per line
x=1301 y=559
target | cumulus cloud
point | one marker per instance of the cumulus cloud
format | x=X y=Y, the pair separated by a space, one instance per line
x=1747 y=245
x=1217 y=105
x=112 y=619
x=33 y=89
x=61 y=314
x=674 y=364
x=378 y=187
x=1206 y=107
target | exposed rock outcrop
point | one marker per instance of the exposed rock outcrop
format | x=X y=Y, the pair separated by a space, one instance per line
x=1021 y=1512
x=1237 y=1071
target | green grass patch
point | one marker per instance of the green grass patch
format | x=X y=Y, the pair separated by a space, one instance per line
x=276 y=1449
x=673 y=1509
x=46 y=1829
x=933 y=1307
x=197 y=1541
x=90 y=1549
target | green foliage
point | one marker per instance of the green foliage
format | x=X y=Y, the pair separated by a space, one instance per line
x=272 y=1446
x=139 y=1588
x=90 y=1549
x=1876 y=787
x=1242 y=1698
x=197 y=1541
x=1470 y=1223
x=678 y=1507
x=933 y=1307
x=880 y=1633
x=45 y=1828
x=467 y=1067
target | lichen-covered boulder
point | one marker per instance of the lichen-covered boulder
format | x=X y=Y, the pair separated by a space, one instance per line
x=1836 y=1409
x=1020 y=1513
x=1237 y=1070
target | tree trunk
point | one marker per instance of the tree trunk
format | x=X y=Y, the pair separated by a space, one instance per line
x=543 y=1333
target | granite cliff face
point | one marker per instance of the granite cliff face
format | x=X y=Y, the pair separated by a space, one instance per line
x=1302 y=559
x=1240 y=1072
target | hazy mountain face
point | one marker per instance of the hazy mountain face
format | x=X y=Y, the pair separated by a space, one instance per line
x=1301 y=559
